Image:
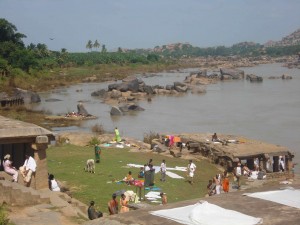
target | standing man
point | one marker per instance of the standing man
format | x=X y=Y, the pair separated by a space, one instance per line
x=238 y=174
x=28 y=169
x=97 y=153
x=163 y=170
x=191 y=170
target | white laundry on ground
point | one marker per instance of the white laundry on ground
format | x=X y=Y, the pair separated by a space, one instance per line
x=204 y=213
x=153 y=195
x=287 y=197
x=174 y=175
x=157 y=169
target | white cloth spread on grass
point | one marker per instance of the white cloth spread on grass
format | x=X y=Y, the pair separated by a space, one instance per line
x=153 y=195
x=173 y=175
x=204 y=213
x=157 y=169
x=286 y=197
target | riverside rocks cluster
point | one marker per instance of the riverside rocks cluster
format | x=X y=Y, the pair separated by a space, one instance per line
x=124 y=95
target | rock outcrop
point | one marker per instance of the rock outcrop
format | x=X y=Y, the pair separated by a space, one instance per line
x=28 y=96
x=231 y=74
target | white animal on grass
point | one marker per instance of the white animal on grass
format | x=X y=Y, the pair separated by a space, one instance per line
x=90 y=166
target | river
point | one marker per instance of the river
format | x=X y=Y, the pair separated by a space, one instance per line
x=267 y=111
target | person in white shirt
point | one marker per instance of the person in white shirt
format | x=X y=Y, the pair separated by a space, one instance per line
x=53 y=185
x=282 y=164
x=27 y=169
x=163 y=170
x=191 y=171
x=238 y=174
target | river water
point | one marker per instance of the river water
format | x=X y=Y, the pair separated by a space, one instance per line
x=267 y=111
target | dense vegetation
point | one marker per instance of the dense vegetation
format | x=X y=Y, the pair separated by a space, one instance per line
x=16 y=59
x=28 y=65
x=244 y=49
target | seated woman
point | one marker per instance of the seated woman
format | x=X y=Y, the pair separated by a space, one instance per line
x=141 y=173
x=246 y=170
x=9 y=169
x=211 y=188
x=53 y=185
x=215 y=138
x=129 y=179
x=124 y=204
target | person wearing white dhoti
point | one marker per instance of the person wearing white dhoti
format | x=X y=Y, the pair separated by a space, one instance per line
x=28 y=169
x=191 y=170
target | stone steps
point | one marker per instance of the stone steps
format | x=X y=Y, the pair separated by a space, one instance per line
x=19 y=195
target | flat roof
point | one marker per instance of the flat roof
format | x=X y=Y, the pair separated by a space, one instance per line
x=10 y=128
x=240 y=146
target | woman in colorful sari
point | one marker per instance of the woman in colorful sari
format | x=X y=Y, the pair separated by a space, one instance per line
x=117 y=135
x=124 y=204
x=225 y=182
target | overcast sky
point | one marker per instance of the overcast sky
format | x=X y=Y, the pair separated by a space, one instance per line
x=148 y=23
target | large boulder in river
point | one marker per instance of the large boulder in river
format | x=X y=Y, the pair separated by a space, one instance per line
x=115 y=94
x=180 y=87
x=148 y=89
x=100 y=93
x=130 y=107
x=116 y=111
x=81 y=110
x=28 y=96
x=128 y=84
x=233 y=73
x=113 y=86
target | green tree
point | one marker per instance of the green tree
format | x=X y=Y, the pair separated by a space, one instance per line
x=103 y=50
x=4 y=67
x=62 y=57
x=42 y=50
x=89 y=45
x=96 y=44
x=8 y=32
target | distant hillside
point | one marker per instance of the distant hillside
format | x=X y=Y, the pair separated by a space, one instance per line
x=291 y=39
x=289 y=45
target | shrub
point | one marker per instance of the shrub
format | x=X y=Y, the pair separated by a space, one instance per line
x=3 y=216
x=94 y=141
x=98 y=128
x=148 y=137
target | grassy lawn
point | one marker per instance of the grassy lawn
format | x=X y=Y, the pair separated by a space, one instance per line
x=67 y=163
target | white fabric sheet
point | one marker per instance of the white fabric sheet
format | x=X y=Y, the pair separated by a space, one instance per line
x=204 y=213
x=157 y=169
x=286 y=197
x=153 y=195
x=174 y=175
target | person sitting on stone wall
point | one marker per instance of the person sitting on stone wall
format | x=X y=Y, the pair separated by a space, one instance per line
x=9 y=169
x=92 y=213
x=53 y=185
x=28 y=169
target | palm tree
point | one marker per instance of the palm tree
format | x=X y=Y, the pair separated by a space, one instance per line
x=96 y=44
x=42 y=50
x=103 y=50
x=89 y=45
